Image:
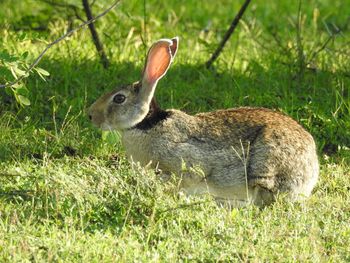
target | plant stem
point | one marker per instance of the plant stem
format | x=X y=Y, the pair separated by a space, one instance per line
x=228 y=34
x=94 y=34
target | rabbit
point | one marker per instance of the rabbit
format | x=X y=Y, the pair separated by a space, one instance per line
x=239 y=156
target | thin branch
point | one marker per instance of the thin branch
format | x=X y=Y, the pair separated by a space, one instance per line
x=94 y=34
x=228 y=34
x=37 y=60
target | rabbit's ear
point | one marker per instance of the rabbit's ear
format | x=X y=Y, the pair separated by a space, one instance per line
x=159 y=58
x=173 y=47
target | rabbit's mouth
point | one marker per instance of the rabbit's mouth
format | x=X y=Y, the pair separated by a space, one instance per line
x=105 y=127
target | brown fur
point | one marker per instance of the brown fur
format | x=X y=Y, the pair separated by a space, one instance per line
x=243 y=155
x=280 y=154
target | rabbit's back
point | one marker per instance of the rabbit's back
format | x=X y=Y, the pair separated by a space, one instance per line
x=255 y=146
x=280 y=155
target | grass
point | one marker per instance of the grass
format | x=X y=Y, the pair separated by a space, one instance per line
x=67 y=193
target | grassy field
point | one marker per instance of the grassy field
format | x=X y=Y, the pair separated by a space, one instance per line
x=67 y=192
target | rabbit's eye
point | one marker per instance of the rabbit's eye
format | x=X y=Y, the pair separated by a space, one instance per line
x=119 y=98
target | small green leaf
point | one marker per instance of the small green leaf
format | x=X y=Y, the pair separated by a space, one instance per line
x=42 y=71
x=13 y=73
x=23 y=100
x=22 y=36
x=25 y=54
x=17 y=72
x=23 y=91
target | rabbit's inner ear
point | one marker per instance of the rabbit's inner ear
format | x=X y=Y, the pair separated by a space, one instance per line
x=158 y=61
x=173 y=47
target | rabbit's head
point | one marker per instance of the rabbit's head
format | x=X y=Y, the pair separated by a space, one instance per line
x=127 y=106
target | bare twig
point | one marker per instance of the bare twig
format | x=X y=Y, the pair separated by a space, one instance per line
x=228 y=34
x=94 y=34
x=37 y=60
